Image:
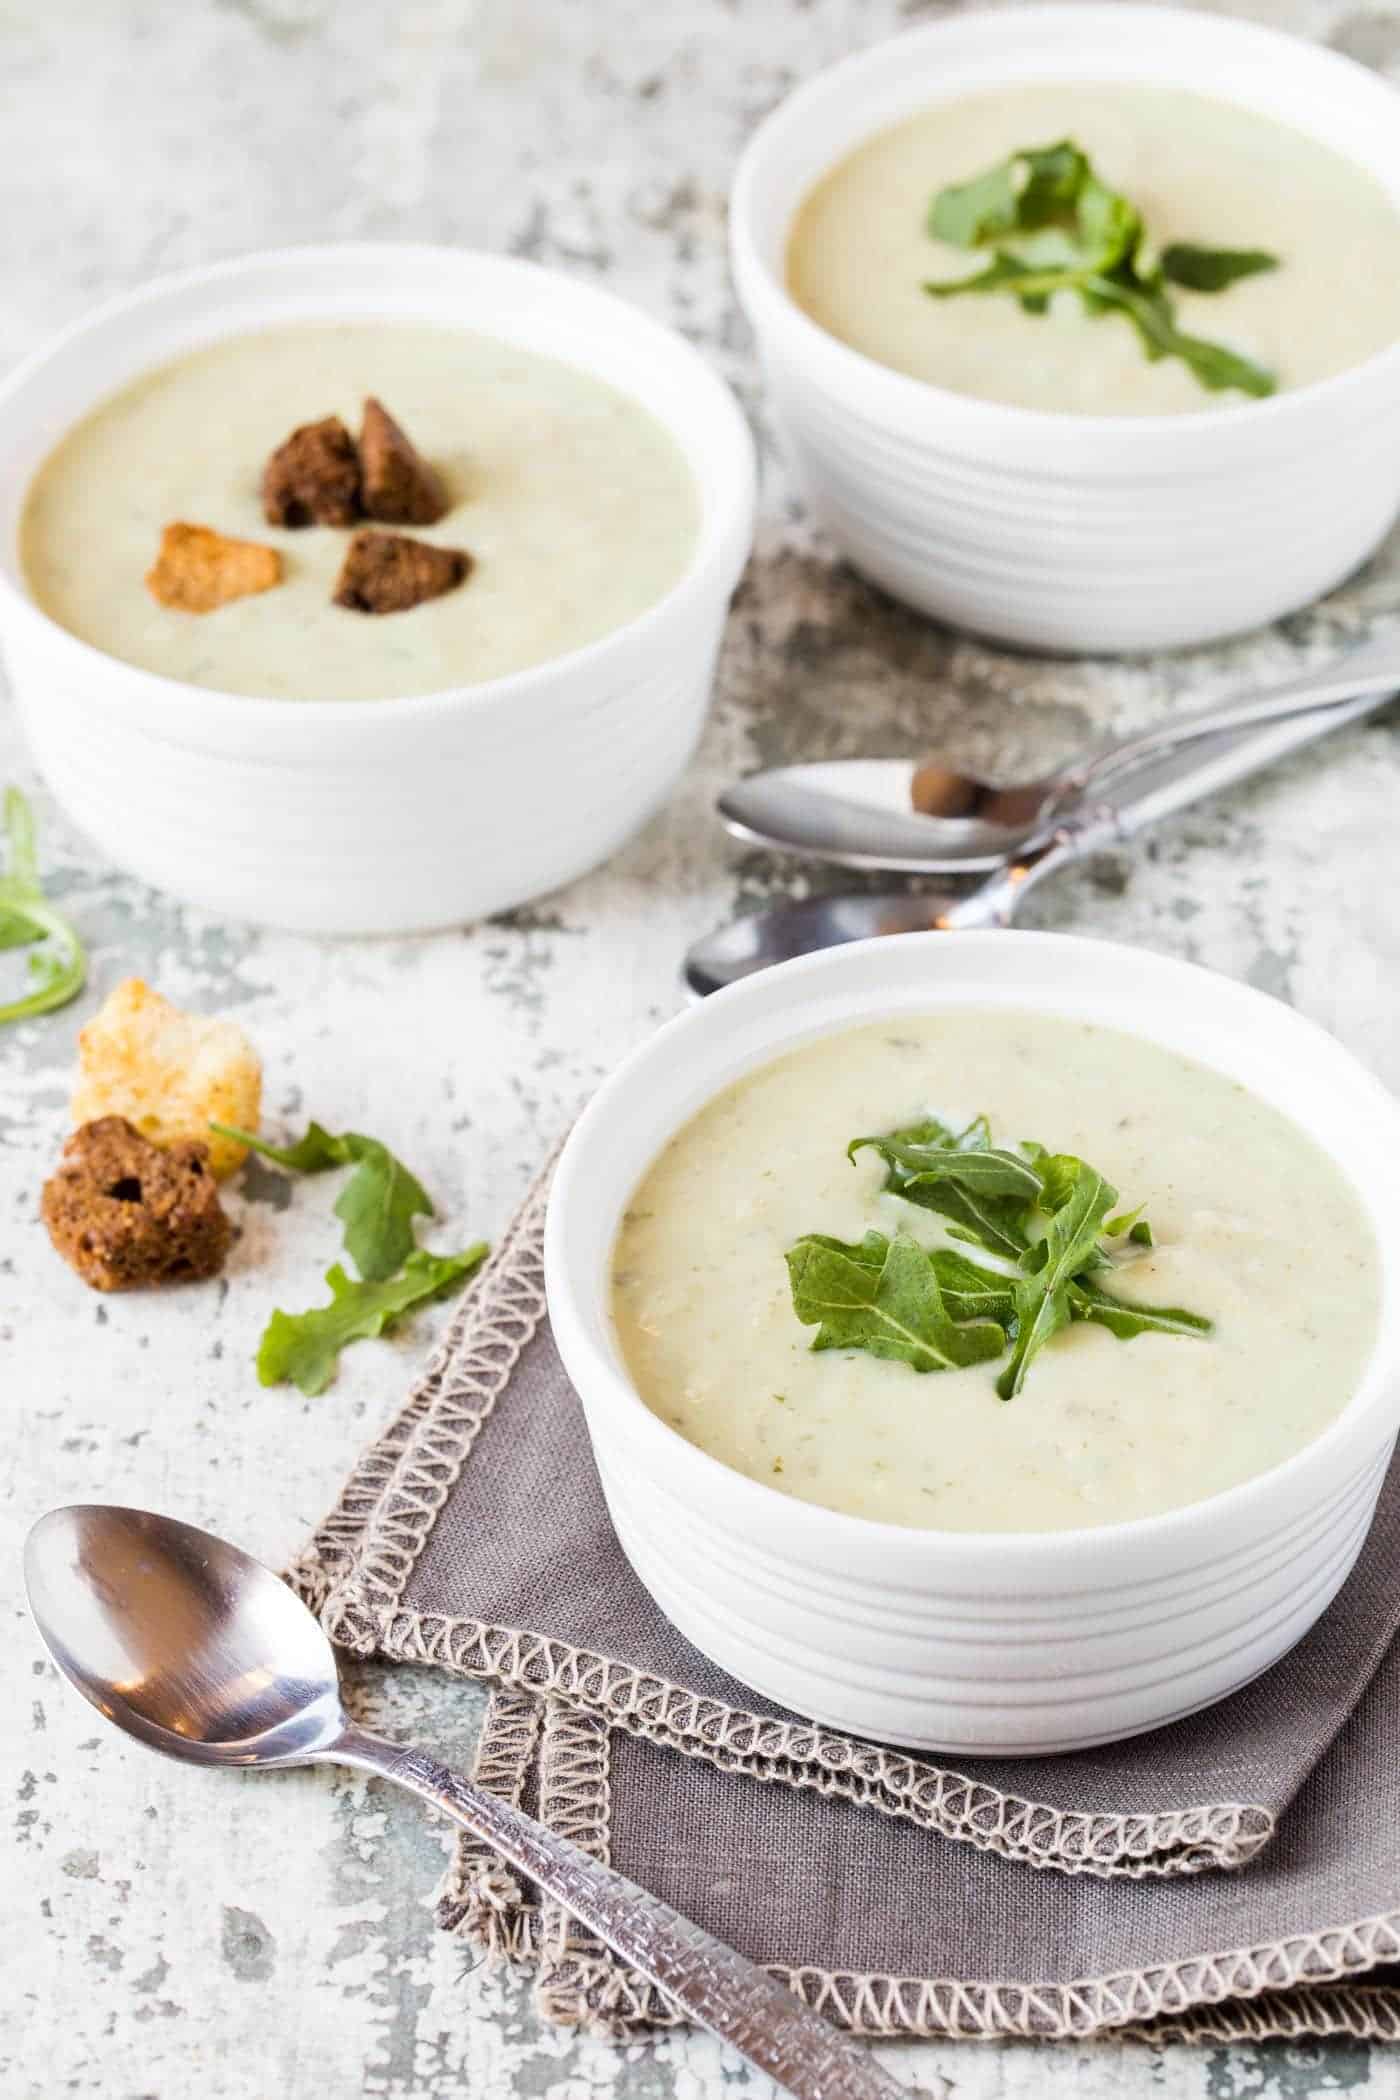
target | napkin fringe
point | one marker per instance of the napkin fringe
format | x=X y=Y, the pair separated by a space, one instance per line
x=1280 y=1988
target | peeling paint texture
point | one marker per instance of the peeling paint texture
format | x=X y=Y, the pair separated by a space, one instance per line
x=167 y=1932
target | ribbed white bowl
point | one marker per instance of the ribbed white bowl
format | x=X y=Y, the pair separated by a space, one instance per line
x=984 y=1643
x=1068 y=531
x=376 y=816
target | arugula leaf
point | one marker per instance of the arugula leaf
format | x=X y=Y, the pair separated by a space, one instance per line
x=1072 y=233
x=1027 y=190
x=303 y=1349
x=378 y=1204
x=984 y=1190
x=939 y=1308
x=895 y=1310
x=1078 y=1199
x=971 y=1292
x=1147 y=307
x=1212 y=269
x=1090 y=1301
x=1132 y=1225
x=57 y=971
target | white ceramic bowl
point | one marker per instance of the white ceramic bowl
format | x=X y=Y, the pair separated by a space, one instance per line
x=1066 y=531
x=978 y=1642
x=392 y=815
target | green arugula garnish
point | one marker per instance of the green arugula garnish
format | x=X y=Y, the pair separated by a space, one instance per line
x=1077 y=1200
x=984 y=1191
x=1071 y=233
x=1213 y=269
x=302 y=1349
x=883 y=1296
x=58 y=967
x=378 y=1204
x=1044 y=1219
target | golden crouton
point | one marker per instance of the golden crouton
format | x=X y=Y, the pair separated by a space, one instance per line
x=197 y=569
x=169 y=1073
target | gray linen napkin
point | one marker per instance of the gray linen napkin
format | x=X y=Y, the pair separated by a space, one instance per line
x=1235 y=1874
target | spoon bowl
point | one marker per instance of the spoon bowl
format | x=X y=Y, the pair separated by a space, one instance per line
x=754 y=943
x=923 y=819
x=181 y=1639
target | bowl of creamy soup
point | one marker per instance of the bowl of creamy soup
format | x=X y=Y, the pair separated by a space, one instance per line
x=364 y=589
x=1082 y=324
x=987 y=1343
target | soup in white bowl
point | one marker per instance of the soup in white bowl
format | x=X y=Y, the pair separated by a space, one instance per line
x=995 y=1641
x=1199 y=172
x=572 y=503
x=1204 y=1340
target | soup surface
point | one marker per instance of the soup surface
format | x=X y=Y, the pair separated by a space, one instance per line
x=1198 y=170
x=576 y=505
x=1255 y=1228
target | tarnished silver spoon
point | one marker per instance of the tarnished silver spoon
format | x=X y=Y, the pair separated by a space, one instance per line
x=1153 y=790
x=198 y=1650
x=930 y=818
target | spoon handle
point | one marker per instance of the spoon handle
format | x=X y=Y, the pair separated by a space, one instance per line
x=1170 y=782
x=737 y=2000
x=1371 y=667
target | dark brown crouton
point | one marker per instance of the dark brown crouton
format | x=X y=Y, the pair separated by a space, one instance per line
x=398 y=485
x=197 y=569
x=385 y=572
x=314 y=478
x=124 y=1212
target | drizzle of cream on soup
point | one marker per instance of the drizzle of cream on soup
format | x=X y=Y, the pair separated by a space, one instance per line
x=1198 y=170
x=576 y=505
x=1256 y=1229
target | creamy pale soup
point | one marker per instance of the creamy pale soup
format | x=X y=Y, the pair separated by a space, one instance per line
x=1255 y=1229
x=575 y=504
x=1198 y=170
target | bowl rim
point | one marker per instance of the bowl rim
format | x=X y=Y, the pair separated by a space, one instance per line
x=723 y=542
x=817 y=1525
x=912 y=401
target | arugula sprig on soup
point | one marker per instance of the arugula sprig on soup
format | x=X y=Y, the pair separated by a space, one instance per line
x=952 y=1245
x=1042 y=1225
x=1162 y=252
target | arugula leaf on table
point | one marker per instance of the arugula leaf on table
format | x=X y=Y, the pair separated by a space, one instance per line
x=57 y=970
x=1072 y=233
x=378 y=1204
x=885 y=1300
x=303 y=1349
x=984 y=1190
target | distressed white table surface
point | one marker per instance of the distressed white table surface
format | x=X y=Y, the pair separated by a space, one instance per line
x=165 y=1933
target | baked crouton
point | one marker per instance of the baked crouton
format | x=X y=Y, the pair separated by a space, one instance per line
x=398 y=485
x=124 y=1212
x=169 y=1073
x=197 y=569
x=386 y=572
x=314 y=477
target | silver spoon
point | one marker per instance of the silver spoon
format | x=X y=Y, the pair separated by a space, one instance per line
x=1154 y=790
x=923 y=819
x=198 y=1650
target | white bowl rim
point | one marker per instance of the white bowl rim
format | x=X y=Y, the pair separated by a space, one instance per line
x=912 y=400
x=817 y=1523
x=712 y=546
